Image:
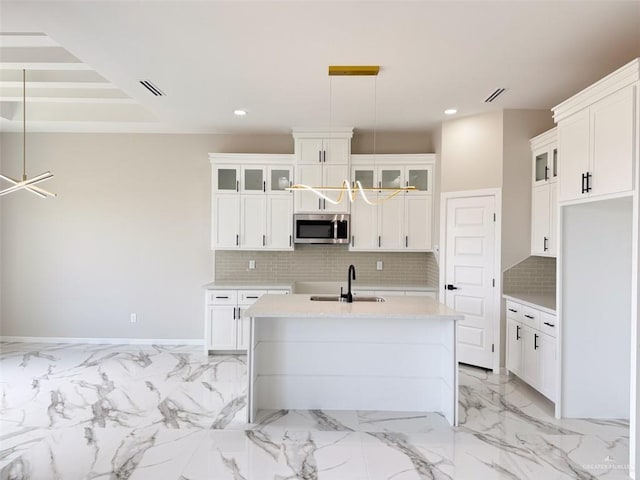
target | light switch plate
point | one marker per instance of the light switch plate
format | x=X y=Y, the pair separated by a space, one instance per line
x=379 y=265
x=252 y=264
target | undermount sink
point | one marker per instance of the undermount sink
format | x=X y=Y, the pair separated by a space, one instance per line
x=337 y=298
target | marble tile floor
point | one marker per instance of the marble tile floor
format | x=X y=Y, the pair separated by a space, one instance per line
x=71 y=411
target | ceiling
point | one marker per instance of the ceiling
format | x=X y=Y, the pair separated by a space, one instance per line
x=85 y=61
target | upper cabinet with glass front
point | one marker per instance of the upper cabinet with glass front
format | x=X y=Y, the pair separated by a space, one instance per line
x=253 y=175
x=544 y=149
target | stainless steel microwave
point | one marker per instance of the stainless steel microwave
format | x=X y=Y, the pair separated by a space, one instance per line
x=321 y=228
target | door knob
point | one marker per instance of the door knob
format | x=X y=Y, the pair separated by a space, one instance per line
x=451 y=287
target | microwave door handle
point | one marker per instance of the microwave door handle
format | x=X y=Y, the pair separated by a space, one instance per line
x=335 y=230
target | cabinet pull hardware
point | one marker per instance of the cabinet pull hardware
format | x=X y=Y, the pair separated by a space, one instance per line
x=319 y=156
x=234 y=313
x=451 y=287
x=535 y=341
x=237 y=185
x=324 y=204
x=406 y=241
x=353 y=240
x=379 y=184
x=319 y=204
x=264 y=240
x=545 y=247
x=546 y=173
x=238 y=313
x=221 y=296
x=237 y=239
x=290 y=239
x=529 y=316
x=549 y=324
x=517 y=332
x=512 y=310
x=264 y=185
x=252 y=296
x=379 y=241
x=588 y=189
x=324 y=156
x=584 y=177
x=406 y=184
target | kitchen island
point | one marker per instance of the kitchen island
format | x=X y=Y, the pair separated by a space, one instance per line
x=396 y=355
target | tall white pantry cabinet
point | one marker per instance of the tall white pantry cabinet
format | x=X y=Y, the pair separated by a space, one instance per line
x=598 y=143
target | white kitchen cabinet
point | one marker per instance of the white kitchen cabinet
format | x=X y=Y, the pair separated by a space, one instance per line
x=596 y=142
x=252 y=210
x=531 y=347
x=401 y=223
x=543 y=195
x=227 y=326
x=322 y=160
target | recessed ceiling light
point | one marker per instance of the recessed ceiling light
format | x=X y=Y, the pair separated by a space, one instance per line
x=240 y=113
x=450 y=111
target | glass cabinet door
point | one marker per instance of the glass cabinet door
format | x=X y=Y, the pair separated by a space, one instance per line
x=253 y=180
x=365 y=176
x=541 y=167
x=390 y=178
x=418 y=178
x=279 y=179
x=227 y=179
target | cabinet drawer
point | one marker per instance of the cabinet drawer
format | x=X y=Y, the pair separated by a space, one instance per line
x=248 y=297
x=531 y=317
x=548 y=324
x=222 y=297
x=514 y=311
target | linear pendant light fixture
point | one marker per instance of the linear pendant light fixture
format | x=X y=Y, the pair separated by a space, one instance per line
x=26 y=183
x=352 y=191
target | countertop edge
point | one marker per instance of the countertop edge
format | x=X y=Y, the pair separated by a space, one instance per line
x=524 y=299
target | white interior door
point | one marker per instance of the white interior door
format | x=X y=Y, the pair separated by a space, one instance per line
x=470 y=275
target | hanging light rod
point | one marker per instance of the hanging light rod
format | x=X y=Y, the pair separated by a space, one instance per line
x=363 y=70
x=26 y=183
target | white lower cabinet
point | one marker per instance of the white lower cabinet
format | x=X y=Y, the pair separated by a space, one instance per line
x=531 y=347
x=226 y=325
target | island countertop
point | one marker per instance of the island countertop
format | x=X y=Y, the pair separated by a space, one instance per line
x=301 y=306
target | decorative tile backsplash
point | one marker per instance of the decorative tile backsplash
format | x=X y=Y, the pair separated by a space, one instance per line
x=326 y=263
x=533 y=275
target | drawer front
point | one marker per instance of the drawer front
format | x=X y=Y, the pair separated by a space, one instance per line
x=222 y=297
x=248 y=297
x=548 y=324
x=531 y=317
x=514 y=311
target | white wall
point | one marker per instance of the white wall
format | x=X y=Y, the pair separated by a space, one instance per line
x=471 y=153
x=596 y=257
x=129 y=232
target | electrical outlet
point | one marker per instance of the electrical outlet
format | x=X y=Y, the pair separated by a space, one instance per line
x=379 y=265
x=134 y=317
x=252 y=264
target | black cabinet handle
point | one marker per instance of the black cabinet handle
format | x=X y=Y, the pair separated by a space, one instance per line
x=512 y=310
x=584 y=178
x=353 y=240
x=252 y=296
x=545 y=244
x=379 y=241
x=221 y=296
x=324 y=156
x=234 y=313
x=264 y=240
x=535 y=341
x=237 y=239
x=319 y=156
x=451 y=287
x=530 y=316
x=319 y=204
x=264 y=185
x=546 y=173
x=588 y=176
x=406 y=241
x=379 y=184
x=290 y=240
x=517 y=332
x=549 y=324
x=237 y=185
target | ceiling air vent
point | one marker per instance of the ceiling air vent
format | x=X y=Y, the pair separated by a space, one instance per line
x=494 y=95
x=152 y=88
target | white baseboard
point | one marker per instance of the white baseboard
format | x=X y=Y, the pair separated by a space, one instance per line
x=106 y=341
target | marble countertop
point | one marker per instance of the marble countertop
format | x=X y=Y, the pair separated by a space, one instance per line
x=227 y=285
x=393 y=307
x=319 y=287
x=542 y=301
